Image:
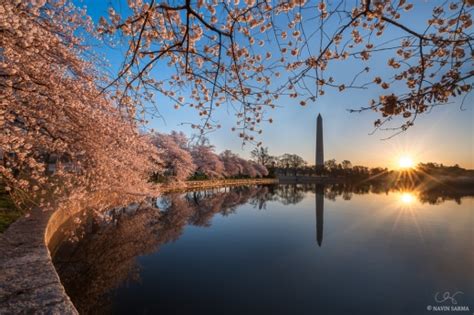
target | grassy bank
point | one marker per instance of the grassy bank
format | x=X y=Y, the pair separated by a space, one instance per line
x=8 y=212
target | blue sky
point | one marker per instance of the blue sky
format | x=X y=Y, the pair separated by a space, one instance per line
x=444 y=136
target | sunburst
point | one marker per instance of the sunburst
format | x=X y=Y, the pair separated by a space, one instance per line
x=405 y=162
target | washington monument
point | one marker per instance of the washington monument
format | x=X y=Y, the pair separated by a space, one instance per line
x=319 y=142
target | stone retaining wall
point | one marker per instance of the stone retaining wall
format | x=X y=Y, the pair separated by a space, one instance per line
x=29 y=283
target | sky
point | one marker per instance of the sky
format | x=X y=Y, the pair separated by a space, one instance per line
x=445 y=135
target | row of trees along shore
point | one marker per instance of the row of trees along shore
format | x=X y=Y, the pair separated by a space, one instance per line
x=181 y=160
x=59 y=96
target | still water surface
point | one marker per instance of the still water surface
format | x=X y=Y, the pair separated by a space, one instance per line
x=287 y=249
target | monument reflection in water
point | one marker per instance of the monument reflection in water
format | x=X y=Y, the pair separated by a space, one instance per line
x=251 y=250
x=319 y=213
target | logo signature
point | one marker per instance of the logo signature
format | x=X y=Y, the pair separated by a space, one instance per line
x=446 y=296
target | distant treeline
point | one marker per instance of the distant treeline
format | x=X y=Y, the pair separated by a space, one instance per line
x=294 y=165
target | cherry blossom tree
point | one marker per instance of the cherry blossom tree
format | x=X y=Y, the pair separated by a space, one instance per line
x=176 y=159
x=180 y=139
x=207 y=162
x=248 y=168
x=231 y=163
x=261 y=170
x=246 y=54
x=235 y=166
x=51 y=105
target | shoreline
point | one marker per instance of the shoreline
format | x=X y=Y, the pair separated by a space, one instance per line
x=205 y=184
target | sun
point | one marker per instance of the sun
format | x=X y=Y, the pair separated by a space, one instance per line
x=407 y=198
x=405 y=162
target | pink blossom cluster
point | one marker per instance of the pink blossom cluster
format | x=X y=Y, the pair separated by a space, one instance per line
x=52 y=109
x=180 y=160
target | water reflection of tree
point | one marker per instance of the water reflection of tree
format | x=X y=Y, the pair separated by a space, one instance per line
x=291 y=194
x=260 y=199
x=438 y=195
x=105 y=257
x=432 y=194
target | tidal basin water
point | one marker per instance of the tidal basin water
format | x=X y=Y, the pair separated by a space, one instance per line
x=281 y=249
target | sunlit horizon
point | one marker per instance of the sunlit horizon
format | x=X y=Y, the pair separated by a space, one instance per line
x=406 y=162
